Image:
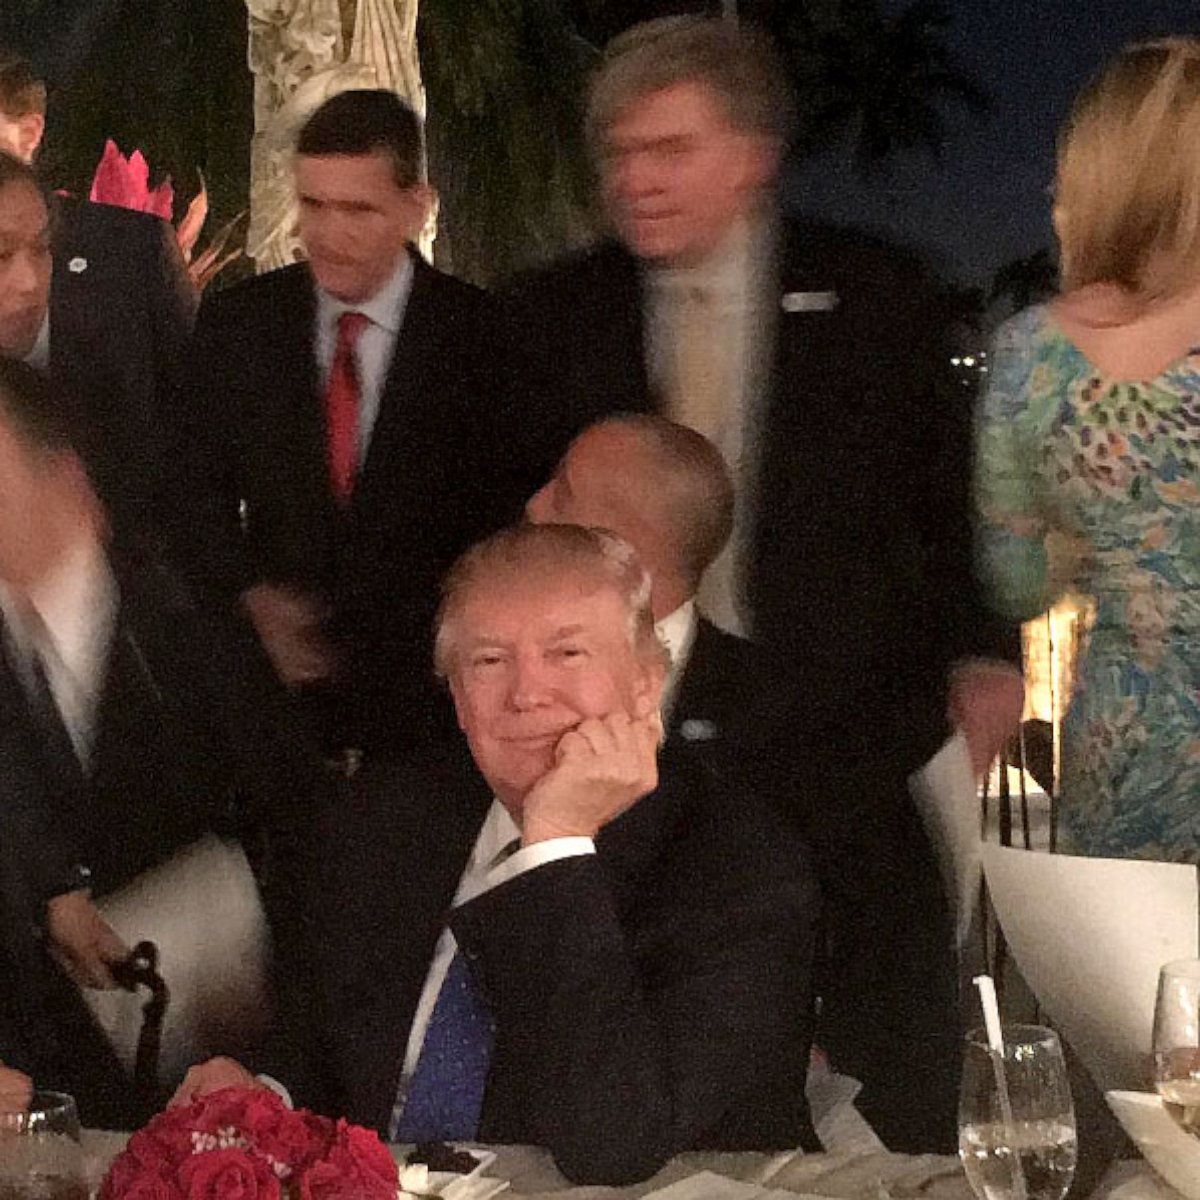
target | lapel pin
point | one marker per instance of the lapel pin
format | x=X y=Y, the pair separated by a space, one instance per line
x=802 y=302
x=697 y=730
x=77 y=266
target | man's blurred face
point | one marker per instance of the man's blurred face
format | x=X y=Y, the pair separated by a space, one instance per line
x=678 y=176
x=355 y=220
x=24 y=267
x=30 y=496
x=21 y=136
x=534 y=655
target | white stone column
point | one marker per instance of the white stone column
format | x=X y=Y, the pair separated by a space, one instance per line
x=299 y=59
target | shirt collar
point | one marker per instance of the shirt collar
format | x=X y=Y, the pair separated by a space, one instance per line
x=72 y=603
x=385 y=308
x=39 y=354
x=499 y=830
x=677 y=630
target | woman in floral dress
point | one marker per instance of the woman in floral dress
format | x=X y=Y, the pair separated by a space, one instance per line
x=1089 y=437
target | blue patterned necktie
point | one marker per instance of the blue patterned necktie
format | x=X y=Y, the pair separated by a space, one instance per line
x=445 y=1094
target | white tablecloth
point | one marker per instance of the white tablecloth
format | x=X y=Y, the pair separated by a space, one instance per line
x=532 y=1174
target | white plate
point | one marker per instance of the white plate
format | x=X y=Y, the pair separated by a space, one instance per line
x=1169 y=1149
x=450 y=1185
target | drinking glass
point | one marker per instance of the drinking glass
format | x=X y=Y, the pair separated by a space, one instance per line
x=1019 y=1143
x=40 y=1154
x=1177 y=1041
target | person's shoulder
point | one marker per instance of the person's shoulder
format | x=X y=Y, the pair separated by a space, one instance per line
x=449 y=292
x=1023 y=328
x=242 y=300
x=853 y=253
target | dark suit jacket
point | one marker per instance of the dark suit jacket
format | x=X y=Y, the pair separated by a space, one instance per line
x=649 y=999
x=861 y=575
x=190 y=739
x=121 y=309
x=448 y=462
x=863 y=594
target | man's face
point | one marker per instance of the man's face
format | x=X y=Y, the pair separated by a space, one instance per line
x=21 y=136
x=355 y=220
x=24 y=267
x=678 y=176
x=28 y=499
x=596 y=483
x=533 y=657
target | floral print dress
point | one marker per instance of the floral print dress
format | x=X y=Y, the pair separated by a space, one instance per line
x=1114 y=468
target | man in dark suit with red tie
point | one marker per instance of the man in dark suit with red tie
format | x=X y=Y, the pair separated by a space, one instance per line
x=350 y=434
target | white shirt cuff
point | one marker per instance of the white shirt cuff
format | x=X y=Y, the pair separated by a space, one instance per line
x=538 y=855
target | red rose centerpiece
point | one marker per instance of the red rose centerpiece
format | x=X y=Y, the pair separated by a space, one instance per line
x=246 y=1144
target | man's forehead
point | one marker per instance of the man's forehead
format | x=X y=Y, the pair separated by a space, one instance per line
x=539 y=603
x=22 y=210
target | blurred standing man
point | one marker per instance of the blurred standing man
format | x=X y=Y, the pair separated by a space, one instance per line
x=113 y=328
x=810 y=355
x=350 y=435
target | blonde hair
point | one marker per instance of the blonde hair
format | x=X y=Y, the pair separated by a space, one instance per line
x=1127 y=191
x=549 y=551
x=738 y=64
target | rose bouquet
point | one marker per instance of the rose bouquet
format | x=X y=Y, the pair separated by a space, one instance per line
x=246 y=1144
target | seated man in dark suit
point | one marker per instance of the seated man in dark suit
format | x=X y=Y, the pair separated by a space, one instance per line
x=114 y=327
x=633 y=980
x=133 y=724
x=666 y=490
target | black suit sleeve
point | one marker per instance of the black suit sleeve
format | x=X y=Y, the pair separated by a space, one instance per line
x=632 y=1039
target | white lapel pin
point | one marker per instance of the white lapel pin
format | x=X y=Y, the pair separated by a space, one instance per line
x=697 y=730
x=77 y=266
x=802 y=302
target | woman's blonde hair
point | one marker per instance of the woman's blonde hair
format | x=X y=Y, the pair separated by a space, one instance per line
x=1127 y=192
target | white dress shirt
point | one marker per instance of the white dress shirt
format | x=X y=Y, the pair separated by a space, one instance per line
x=71 y=629
x=376 y=344
x=488 y=867
x=677 y=632
x=39 y=354
x=740 y=279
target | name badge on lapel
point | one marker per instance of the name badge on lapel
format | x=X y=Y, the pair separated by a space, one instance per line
x=808 y=302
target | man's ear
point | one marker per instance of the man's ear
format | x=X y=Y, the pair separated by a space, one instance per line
x=456 y=696
x=647 y=690
x=422 y=201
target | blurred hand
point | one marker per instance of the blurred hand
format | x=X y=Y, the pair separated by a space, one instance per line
x=82 y=940
x=15 y=1090
x=288 y=624
x=212 y=1076
x=986 y=700
x=602 y=767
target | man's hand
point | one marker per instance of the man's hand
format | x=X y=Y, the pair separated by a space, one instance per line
x=16 y=1090
x=986 y=700
x=288 y=624
x=212 y=1076
x=602 y=767
x=82 y=940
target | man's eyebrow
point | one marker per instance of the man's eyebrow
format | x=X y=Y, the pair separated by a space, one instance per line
x=565 y=631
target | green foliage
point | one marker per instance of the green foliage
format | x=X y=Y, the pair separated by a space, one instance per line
x=504 y=80
x=885 y=82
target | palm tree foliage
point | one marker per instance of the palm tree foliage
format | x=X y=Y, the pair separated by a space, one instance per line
x=504 y=82
x=884 y=81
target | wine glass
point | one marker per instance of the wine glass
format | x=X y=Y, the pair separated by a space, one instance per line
x=40 y=1154
x=1177 y=1041
x=1017 y=1143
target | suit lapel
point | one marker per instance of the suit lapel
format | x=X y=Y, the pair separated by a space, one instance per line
x=406 y=389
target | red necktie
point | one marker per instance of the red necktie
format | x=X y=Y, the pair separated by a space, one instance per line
x=342 y=396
